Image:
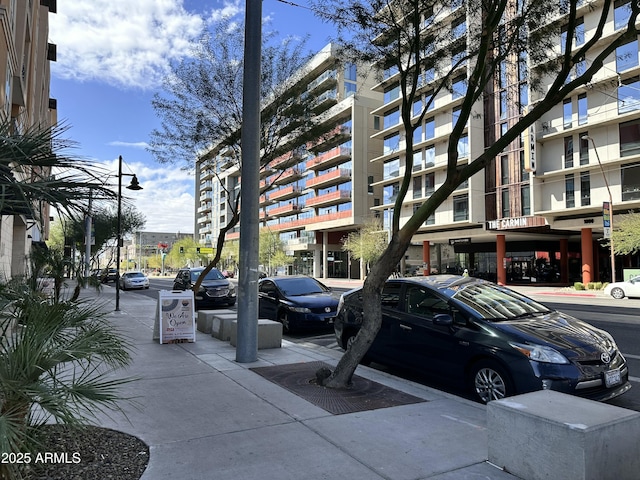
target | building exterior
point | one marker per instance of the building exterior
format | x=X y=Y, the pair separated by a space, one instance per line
x=318 y=192
x=24 y=99
x=143 y=245
x=536 y=213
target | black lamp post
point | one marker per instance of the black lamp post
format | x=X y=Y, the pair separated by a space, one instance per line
x=133 y=186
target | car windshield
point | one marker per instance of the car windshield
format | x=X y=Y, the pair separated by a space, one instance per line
x=214 y=274
x=135 y=275
x=492 y=302
x=300 y=286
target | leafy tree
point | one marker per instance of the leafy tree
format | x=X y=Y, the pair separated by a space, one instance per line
x=271 y=253
x=189 y=256
x=626 y=235
x=367 y=243
x=498 y=32
x=202 y=111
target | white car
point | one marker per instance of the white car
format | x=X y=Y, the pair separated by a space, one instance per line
x=129 y=280
x=628 y=288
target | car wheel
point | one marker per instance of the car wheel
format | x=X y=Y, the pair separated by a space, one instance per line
x=617 y=292
x=283 y=318
x=489 y=381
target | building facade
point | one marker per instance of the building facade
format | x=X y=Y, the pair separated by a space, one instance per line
x=535 y=214
x=315 y=193
x=25 y=56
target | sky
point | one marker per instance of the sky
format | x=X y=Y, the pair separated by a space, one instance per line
x=111 y=58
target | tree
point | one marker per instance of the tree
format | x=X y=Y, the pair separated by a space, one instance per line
x=367 y=243
x=407 y=40
x=202 y=113
x=271 y=253
x=188 y=256
x=626 y=236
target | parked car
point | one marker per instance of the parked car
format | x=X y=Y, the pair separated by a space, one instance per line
x=109 y=275
x=628 y=288
x=129 y=280
x=215 y=289
x=487 y=339
x=297 y=302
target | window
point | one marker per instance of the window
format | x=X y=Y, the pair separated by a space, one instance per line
x=621 y=13
x=430 y=156
x=376 y=122
x=584 y=149
x=429 y=128
x=431 y=220
x=417 y=107
x=630 y=138
x=460 y=208
x=391 y=93
x=455 y=115
x=524 y=174
x=629 y=95
x=424 y=303
x=417 y=187
x=585 y=189
x=503 y=104
x=391 y=118
x=504 y=169
x=505 y=203
x=463 y=146
x=417 y=134
x=428 y=101
x=391 y=169
x=631 y=181
x=524 y=97
x=582 y=109
x=567 y=113
x=569 y=188
x=627 y=56
x=578 y=34
x=568 y=152
x=391 y=144
x=525 y=200
x=350 y=72
x=391 y=295
x=504 y=128
x=458 y=28
x=417 y=160
x=390 y=192
x=429 y=184
x=459 y=87
x=370 y=184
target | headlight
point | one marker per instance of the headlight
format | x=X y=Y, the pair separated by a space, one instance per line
x=300 y=309
x=540 y=353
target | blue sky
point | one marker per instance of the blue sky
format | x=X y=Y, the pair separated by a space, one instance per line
x=112 y=56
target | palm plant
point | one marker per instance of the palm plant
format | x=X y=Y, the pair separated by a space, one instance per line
x=56 y=363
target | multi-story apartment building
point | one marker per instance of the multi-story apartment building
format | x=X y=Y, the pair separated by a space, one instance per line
x=324 y=190
x=536 y=213
x=24 y=99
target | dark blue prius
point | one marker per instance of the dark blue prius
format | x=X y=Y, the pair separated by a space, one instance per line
x=486 y=338
x=297 y=301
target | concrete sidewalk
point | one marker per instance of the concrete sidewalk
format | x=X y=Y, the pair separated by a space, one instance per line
x=205 y=416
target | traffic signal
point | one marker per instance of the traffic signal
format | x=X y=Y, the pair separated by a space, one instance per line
x=181 y=249
x=197 y=249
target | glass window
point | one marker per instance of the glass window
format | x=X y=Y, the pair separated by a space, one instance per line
x=505 y=203
x=585 y=189
x=627 y=56
x=391 y=295
x=455 y=115
x=459 y=87
x=391 y=169
x=391 y=118
x=524 y=174
x=504 y=128
x=429 y=184
x=525 y=200
x=390 y=192
x=569 y=188
x=429 y=128
x=463 y=146
x=417 y=160
x=584 y=149
x=417 y=187
x=458 y=57
x=568 y=152
x=621 y=13
x=430 y=156
x=350 y=72
x=579 y=33
x=460 y=208
x=417 y=107
x=629 y=95
x=417 y=134
x=391 y=144
x=567 y=113
x=458 y=28
x=582 y=109
x=630 y=138
x=503 y=104
x=504 y=169
x=391 y=93
x=631 y=181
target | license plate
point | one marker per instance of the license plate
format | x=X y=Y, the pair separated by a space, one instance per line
x=612 y=378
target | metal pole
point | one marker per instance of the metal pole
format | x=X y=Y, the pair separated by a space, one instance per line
x=247 y=349
x=87 y=244
x=613 y=256
x=119 y=233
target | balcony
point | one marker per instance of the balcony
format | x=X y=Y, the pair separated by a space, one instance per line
x=336 y=136
x=331 y=198
x=284 y=210
x=288 y=158
x=334 y=177
x=327 y=159
x=285 y=193
x=326 y=80
x=204 y=208
x=288 y=176
x=325 y=100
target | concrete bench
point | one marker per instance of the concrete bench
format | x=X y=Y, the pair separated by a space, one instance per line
x=547 y=434
x=269 y=334
x=204 y=318
x=221 y=325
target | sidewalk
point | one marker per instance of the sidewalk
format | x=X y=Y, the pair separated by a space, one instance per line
x=205 y=416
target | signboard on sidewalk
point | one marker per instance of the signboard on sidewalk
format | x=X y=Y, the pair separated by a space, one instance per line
x=176 y=318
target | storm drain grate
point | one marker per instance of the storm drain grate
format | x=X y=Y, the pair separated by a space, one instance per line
x=300 y=378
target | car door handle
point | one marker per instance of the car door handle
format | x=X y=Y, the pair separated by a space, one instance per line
x=405 y=327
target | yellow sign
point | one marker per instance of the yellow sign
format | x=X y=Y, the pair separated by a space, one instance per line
x=205 y=250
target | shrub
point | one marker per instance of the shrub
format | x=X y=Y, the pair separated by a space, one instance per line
x=578 y=286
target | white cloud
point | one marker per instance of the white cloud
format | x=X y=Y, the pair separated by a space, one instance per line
x=140 y=145
x=125 y=43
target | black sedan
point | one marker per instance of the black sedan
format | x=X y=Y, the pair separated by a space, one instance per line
x=487 y=339
x=297 y=302
x=215 y=289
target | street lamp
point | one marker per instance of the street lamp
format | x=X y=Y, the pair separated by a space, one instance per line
x=133 y=186
x=613 y=257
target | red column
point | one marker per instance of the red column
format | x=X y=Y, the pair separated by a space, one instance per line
x=426 y=257
x=501 y=253
x=564 y=260
x=586 y=240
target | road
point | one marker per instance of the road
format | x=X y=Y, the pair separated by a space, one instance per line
x=621 y=318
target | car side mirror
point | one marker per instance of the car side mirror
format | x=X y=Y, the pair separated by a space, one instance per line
x=442 y=320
